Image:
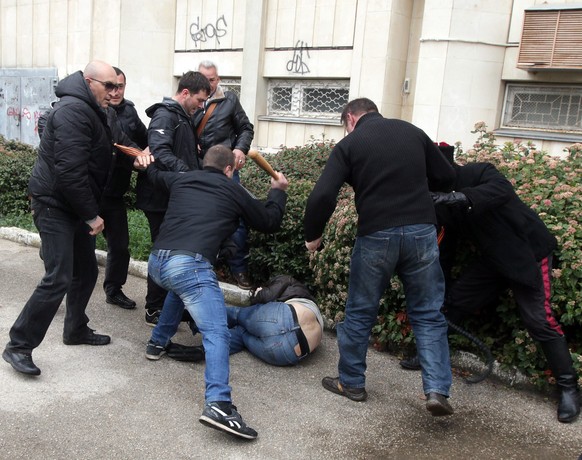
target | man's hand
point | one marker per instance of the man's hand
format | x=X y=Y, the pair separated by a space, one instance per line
x=313 y=245
x=97 y=225
x=281 y=183
x=143 y=161
x=239 y=158
x=457 y=199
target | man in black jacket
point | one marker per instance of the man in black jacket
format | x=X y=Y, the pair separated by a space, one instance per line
x=224 y=121
x=173 y=143
x=204 y=208
x=112 y=207
x=391 y=166
x=515 y=251
x=68 y=178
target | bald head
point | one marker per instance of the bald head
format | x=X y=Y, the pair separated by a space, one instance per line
x=102 y=81
x=99 y=69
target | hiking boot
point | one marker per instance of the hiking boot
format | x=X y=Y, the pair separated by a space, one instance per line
x=152 y=316
x=438 y=405
x=333 y=384
x=222 y=415
x=155 y=351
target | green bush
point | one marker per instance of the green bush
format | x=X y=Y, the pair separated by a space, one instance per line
x=284 y=251
x=16 y=162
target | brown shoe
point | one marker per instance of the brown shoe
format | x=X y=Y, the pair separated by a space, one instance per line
x=242 y=280
x=333 y=384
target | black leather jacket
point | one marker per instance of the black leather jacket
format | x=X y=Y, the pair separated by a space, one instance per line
x=228 y=124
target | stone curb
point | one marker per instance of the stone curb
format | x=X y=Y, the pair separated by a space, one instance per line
x=233 y=295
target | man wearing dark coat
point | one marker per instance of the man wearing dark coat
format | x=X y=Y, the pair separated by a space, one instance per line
x=73 y=166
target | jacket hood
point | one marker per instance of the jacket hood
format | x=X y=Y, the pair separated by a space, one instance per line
x=167 y=103
x=76 y=86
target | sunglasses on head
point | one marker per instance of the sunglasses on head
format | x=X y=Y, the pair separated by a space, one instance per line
x=109 y=86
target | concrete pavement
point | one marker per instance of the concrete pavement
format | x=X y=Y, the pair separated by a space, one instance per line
x=111 y=403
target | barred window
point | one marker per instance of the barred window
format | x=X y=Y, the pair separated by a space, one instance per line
x=543 y=107
x=313 y=99
x=231 y=84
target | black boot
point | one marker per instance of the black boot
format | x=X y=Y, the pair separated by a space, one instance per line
x=560 y=362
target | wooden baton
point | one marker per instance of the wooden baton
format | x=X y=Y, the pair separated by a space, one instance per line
x=262 y=163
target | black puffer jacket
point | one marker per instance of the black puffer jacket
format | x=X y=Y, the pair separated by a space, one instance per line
x=228 y=124
x=173 y=143
x=75 y=152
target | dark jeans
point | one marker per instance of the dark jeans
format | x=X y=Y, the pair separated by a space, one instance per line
x=480 y=285
x=70 y=268
x=155 y=295
x=116 y=233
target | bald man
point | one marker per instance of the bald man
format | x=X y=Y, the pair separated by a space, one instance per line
x=70 y=173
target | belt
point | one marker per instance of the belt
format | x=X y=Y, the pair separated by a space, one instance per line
x=303 y=344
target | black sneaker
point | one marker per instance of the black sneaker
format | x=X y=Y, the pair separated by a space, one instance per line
x=155 y=351
x=152 y=316
x=223 y=416
x=333 y=384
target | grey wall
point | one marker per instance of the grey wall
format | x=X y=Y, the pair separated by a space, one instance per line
x=24 y=95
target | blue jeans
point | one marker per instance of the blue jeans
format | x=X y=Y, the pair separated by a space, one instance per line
x=191 y=283
x=266 y=330
x=412 y=253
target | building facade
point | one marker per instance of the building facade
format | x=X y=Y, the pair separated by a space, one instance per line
x=443 y=65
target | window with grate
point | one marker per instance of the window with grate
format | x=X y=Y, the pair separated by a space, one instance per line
x=309 y=99
x=555 y=108
x=231 y=84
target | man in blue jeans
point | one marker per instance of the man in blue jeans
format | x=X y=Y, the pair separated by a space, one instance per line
x=204 y=208
x=391 y=166
x=282 y=327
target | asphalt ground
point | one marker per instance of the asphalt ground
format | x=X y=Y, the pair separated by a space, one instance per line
x=112 y=403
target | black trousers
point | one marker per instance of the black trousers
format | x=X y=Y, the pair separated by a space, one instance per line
x=114 y=213
x=155 y=295
x=70 y=269
x=480 y=286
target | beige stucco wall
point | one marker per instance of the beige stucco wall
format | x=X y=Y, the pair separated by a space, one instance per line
x=135 y=35
x=456 y=55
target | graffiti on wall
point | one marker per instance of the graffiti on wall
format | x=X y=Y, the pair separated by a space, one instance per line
x=19 y=114
x=297 y=63
x=211 y=30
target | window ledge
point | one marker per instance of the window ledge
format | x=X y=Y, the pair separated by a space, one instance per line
x=539 y=134
x=304 y=121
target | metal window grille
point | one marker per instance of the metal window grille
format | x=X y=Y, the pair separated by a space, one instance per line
x=317 y=99
x=543 y=107
x=231 y=84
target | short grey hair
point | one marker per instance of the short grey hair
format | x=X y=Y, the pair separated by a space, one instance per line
x=208 y=65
